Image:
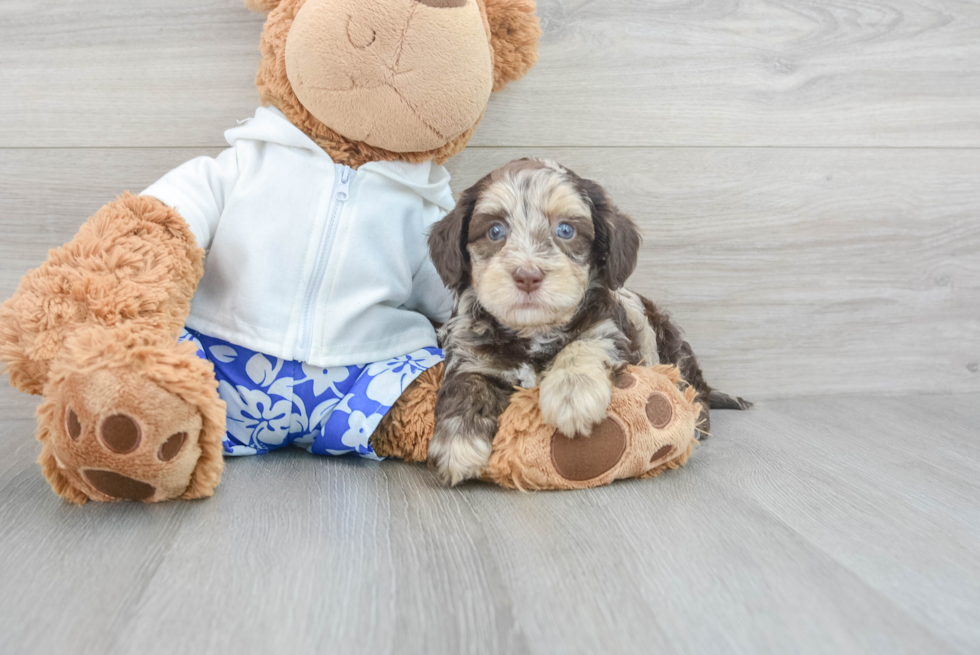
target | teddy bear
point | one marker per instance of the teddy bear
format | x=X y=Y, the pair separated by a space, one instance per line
x=281 y=293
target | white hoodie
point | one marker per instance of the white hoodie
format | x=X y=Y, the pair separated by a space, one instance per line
x=309 y=260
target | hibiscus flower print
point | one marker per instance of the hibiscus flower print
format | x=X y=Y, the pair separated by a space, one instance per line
x=253 y=418
x=272 y=402
x=392 y=377
x=360 y=429
x=325 y=379
x=262 y=371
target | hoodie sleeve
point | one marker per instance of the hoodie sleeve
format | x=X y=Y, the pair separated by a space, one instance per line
x=198 y=190
x=429 y=296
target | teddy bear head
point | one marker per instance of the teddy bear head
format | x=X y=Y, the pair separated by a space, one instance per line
x=375 y=80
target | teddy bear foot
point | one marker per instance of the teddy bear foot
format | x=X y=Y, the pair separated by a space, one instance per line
x=136 y=430
x=649 y=429
x=117 y=436
x=405 y=431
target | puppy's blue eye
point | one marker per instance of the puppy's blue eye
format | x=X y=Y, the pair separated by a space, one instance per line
x=565 y=231
x=496 y=232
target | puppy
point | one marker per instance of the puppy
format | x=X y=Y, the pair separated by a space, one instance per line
x=537 y=258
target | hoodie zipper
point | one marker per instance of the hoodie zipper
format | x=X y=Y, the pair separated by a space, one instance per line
x=341 y=193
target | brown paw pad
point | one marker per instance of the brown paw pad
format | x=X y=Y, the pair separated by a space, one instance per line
x=171 y=447
x=584 y=458
x=118 y=486
x=659 y=410
x=660 y=454
x=623 y=380
x=121 y=434
x=73 y=425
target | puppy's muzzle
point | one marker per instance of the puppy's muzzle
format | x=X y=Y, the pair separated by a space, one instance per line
x=528 y=280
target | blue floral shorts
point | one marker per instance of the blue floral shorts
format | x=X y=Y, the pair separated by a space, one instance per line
x=328 y=411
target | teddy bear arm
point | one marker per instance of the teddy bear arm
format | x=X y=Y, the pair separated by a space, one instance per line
x=135 y=261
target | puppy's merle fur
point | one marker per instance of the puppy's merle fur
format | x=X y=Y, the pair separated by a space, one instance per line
x=537 y=258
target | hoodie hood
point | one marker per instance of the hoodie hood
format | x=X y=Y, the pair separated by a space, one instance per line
x=427 y=179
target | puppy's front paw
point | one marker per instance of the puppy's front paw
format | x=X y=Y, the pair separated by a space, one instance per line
x=574 y=402
x=459 y=457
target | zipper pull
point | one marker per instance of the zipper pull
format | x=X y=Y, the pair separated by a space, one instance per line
x=343 y=191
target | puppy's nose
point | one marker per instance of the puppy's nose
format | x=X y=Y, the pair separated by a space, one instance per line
x=528 y=280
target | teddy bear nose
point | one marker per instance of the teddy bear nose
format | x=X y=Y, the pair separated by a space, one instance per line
x=528 y=280
x=442 y=4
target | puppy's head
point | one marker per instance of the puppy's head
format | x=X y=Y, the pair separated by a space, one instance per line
x=530 y=238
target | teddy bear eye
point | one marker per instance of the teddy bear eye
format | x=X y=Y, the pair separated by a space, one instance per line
x=496 y=232
x=564 y=231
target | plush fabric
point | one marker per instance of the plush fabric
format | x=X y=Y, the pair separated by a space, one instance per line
x=134 y=266
x=261 y=5
x=405 y=431
x=425 y=73
x=98 y=322
x=529 y=454
x=514 y=34
x=161 y=385
x=515 y=17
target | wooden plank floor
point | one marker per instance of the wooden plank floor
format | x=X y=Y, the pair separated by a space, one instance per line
x=824 y=525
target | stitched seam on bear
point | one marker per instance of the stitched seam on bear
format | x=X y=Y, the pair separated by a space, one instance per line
x=417 y=114
x=401 y=41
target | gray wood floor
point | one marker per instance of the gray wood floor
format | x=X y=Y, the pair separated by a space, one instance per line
x=807 y=176
x=821 y=525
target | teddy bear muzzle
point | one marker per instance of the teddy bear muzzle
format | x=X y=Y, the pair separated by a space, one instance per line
x=443 y=4
x=405 y=75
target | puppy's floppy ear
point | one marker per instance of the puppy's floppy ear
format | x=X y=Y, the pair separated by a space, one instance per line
x=448 y=238
x=617 y=241
x=262 y=5
x=514 y=34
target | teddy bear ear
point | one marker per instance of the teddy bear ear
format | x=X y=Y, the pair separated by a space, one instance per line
x=514 y=34
x=262 y=5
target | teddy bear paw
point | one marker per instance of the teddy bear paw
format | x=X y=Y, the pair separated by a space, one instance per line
x=117 y=436
x=650 y=425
